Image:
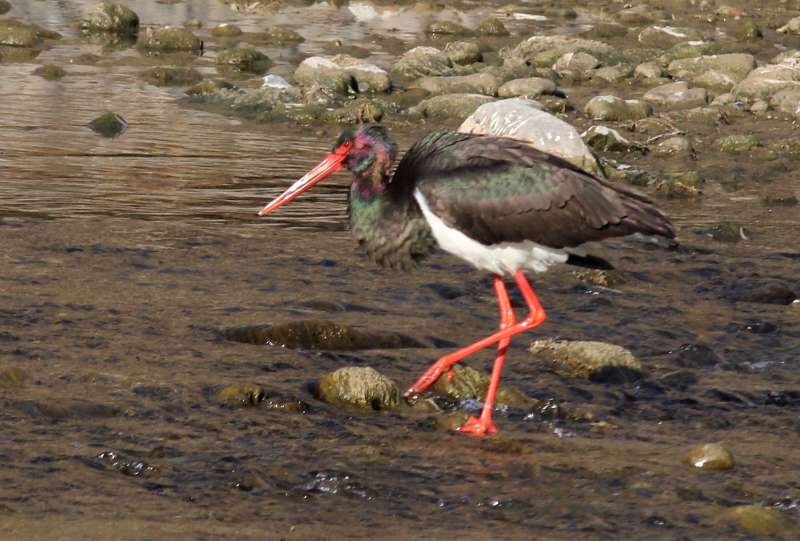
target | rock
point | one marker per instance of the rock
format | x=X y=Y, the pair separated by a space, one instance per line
x=595 y=361
x=530 y=87
x=612 y=74
x=641 y=13
x=545 y=50
x=723 y=99
x=319 y=335
x=763 y=293
x=208 y=87
x=466 y=384
x=324 y=73
x=747 y=30
x=727 y=232
x=696 y=356
x=648 y=70
x=598 y=278
x=664 y=37
x=787 y=101
x=363 y=387
x=492 y=27
x=281 y=35
x=679 y=379
x=715 y=80
x=109 y=124
x=608 y=139
x=451 y=105
x=781 y=201
x=575 y=65
x=369 y=77
x=163 y=76
x=759 y=106
x=677 y=144
x=108 y=17
x=240 y=396
x=677 y=96
x=168 y=39
x=614 y=108
x=18 y=34
x=604 y=30
x=422 y=62
x=681 y=185
x=244 y=60
x=736 y=66
x=447 y=28
x=478 y=83
x=737 y=143
x=5 y=7
x=691 y=49
x=757 y=519
x=765 y=81
x=226 y=30
x=792 y=27
x=51 y=72
x=12 y=377
x=358 y=111
x=463 y=52
x=522 y=119
x=709 y=456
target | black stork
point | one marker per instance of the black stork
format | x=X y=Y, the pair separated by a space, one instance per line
x=495 y=202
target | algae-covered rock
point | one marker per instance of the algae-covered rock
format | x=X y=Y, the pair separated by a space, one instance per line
x=464 y=383
x=110 y=17
x=595 y=361
x=477 y=83
x=244 y=60
x=598 y=277
x=10 y=54
x=322 y=335
x=735 y=65
x=280 y=36
x=737 y=143
x=51 y=72
x=226 y=30
x=677 y=95
x=675 y=145
x=545 y=50
x=612 y=74
x=607 y=139
x=167 y=76
x=19 y=34
x=727 y=232
x=447 y=28
x=758 y=520
x=207 y=87
x=492 y=27
x=360 y=111
x=240 y=396
x=422 y=62
x=109 y=124
x=321 y=72
x=451 y=105
x=681 y=185
x=168 y=38
x=529 y=87
x=13 y=377
x=709 y=456
x=575 y=65
x=363 y=387
x=614 y=108
x=664 y=37
x=463 y=52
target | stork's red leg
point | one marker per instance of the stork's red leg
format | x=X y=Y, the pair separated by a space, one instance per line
x=536 y=317
x=484 y=425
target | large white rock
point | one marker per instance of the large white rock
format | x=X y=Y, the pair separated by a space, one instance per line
x=523 y=119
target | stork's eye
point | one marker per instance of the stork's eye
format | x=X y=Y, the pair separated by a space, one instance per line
x=344 y=148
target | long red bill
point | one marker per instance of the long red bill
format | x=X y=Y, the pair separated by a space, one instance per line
x=328 y=166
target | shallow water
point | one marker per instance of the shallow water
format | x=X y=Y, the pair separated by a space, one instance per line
x=123 y=258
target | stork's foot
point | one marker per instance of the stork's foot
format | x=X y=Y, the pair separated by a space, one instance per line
x=478 y=427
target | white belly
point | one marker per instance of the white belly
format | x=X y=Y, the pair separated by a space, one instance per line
x=504 y=258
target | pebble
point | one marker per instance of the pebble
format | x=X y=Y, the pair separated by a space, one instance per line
x=709 y=456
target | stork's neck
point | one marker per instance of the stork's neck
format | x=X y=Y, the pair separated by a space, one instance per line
x=389 y=227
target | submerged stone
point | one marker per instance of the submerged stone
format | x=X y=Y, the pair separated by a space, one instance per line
x=109 y=124
x=124 y=465
x=464 y=383
x=109 y=17
x=446 y=28
x=737 y=143
x=207 y=87
x=681 y=185
x=727 y=232
x=281 y=35
x=768 y=292
x=51 y=72
x=322 y=335
x=457 y=106
x=616 y=109
x=240 y=396
x=477 y=83
x=709 y=456
x=595 y=361
x=492 y=27
x=12 y=377
x=363 y=387
x=169 y=38
x=758 y=520
x=245 y=60
x=164 y=76
x=463 y=52
x=18 y=34
x=226 y=30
